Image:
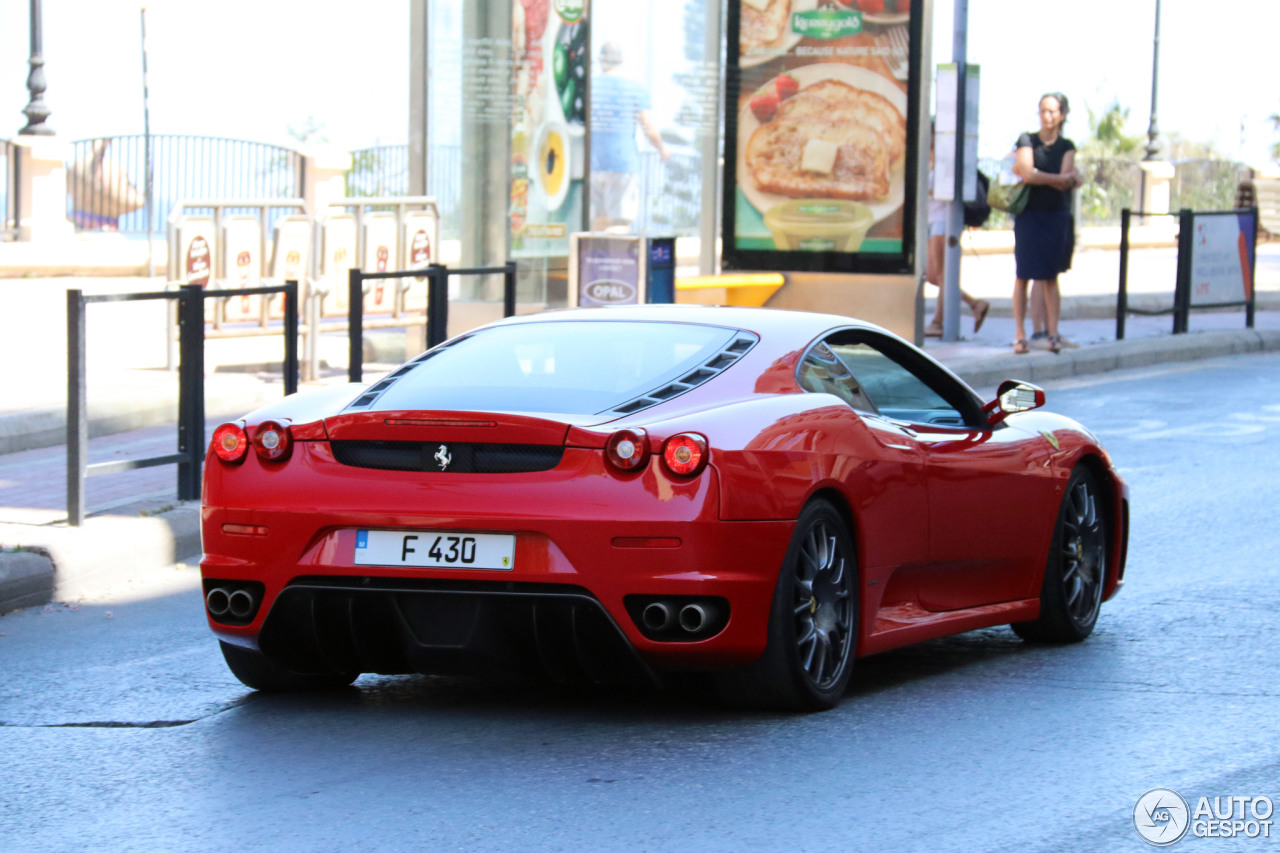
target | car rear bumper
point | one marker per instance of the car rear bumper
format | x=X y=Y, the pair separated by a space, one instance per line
x=572 y=603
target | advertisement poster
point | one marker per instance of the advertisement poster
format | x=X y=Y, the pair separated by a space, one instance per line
x=1222 y=256
x=608 y=270
x=551 y=61
x=819 y=174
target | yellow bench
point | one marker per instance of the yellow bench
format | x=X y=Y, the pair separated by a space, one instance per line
x=752 y=290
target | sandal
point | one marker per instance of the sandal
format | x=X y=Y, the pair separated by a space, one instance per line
x=980 y=309
x=1020 y=347
x=1055 y=344
x=933 y=330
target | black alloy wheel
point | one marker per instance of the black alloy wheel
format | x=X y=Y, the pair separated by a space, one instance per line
x=1076 y=572
x=813 y=626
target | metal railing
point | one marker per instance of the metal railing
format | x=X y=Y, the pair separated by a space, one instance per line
x=1112 y=185
x=383 y=170
x=9 y=166
x=191 y=427
x=1184 y=299
x=1204 y=184
x=107 y=177
x=670 y=193
x=437 y=313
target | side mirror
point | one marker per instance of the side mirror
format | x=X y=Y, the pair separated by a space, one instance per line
x=1013 y=396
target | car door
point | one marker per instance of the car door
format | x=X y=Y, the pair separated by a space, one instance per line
x=980 y=480
x=882 y=467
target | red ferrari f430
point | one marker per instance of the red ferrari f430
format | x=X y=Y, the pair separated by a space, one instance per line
x=606 y=494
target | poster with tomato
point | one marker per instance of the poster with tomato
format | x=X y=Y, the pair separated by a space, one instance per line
x=821 y=121
x=550 y=51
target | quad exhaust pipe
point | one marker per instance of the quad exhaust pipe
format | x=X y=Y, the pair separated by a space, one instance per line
x=657 y=617
x=682 y=618
x=695 y=617
x=234 y=604
x=218 y=601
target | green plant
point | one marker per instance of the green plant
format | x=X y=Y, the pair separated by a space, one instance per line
x=1107 y=137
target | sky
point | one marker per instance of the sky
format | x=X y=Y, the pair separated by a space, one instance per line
x=251 y=70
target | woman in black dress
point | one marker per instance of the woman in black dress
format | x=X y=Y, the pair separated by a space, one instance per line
x=1042 y=232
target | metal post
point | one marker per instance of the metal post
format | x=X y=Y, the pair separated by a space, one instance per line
x=509 y=290
x=1182 y=289
x=146 y=132
x=1251 y=305
x=36 y=111
x=1153 y=132
x=949 y=292
x=191 y=440
x=419 y=113
x=355 y=326
x=437 y=304
x=290 y=337
x=1122 y=294
x=77 y=408
x=709 y=139
x=313 y=334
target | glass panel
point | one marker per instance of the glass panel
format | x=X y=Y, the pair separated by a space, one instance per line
x=896 y=392
x=823 y=373
x=569 y=368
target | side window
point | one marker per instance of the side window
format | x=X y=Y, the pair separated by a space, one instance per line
x=896 y=392
x=880 y=374
x=823 y=372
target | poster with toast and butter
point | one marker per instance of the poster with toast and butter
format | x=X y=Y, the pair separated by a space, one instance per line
x=819 y=172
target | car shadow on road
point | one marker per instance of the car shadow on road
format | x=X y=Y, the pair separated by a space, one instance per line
x=689 y=697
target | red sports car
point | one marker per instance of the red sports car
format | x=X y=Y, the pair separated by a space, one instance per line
x=759 y=495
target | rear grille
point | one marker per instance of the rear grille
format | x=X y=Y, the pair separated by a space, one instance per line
x=462 y=457
x=397 y=625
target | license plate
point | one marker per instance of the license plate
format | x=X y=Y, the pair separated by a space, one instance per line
x=442 y=549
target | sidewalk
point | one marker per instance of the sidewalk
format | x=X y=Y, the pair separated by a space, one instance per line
x=136 y=523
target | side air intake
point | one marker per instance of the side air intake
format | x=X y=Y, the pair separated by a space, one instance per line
x=714 y=366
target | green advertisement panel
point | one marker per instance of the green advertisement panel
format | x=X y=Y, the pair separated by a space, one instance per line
x=820 y=154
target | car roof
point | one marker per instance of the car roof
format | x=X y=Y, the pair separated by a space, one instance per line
x=766 y=322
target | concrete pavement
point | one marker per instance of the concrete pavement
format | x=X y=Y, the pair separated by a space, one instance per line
x=135 y=522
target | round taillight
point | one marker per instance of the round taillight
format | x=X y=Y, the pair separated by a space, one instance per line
x=272 y=441
x=627 y=450
x=230 y=444
x=685 y=454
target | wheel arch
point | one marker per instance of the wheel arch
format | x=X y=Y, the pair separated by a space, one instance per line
x=1117 y=508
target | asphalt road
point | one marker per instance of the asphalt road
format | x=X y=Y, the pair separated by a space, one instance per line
x=120 y=728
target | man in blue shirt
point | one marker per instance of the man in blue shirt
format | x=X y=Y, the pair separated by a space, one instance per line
x=618 y=105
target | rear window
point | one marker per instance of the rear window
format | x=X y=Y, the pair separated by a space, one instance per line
x=581 y=367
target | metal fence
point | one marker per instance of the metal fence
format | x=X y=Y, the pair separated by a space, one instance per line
x=1204 y=184
x=670 y=192
x=107 y=177
x=383 y=170
x=1112 y=185
x=9 y=190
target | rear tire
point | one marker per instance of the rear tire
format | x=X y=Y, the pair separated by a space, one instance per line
x=1076 y=571
x=256 y=671
x=813 y=623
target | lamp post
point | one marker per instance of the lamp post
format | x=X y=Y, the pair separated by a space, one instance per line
x=1153 y=132
x=36 y=112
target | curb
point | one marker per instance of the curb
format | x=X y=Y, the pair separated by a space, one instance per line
x=1044 y=366
x=1103 y=307
x=66 y=563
